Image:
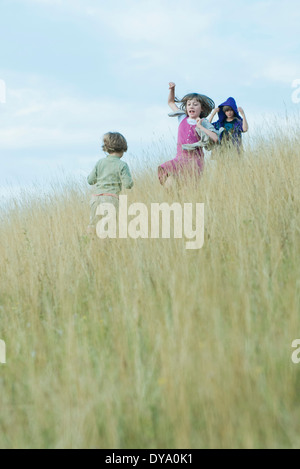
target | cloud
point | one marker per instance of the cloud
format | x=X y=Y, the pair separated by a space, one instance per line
x=37 y=117
x=141 y=23
x=109 y=64
x=191 y=41
x=281 y=71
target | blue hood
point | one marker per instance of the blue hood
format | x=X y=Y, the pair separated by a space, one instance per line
x=229 y=102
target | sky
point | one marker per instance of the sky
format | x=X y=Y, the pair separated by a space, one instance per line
x=72 y=70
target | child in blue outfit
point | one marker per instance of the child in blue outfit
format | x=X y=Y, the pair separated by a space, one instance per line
x=230 y=123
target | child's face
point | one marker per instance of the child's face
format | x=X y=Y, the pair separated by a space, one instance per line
x=229 y=114
x=193 y=108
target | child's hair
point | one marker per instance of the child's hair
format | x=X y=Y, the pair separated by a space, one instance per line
x=227 y=108
x=113 y=142
x=207 y=104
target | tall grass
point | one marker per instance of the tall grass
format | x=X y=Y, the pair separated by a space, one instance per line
x=142 y=343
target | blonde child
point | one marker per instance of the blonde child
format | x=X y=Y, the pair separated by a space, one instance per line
x=109 y=176
x=194 y=133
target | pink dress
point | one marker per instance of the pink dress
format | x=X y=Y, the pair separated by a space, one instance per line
x=185 y=162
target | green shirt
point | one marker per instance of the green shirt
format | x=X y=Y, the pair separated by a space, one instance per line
x=109 y=175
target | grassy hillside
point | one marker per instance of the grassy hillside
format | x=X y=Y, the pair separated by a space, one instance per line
x=142 y=343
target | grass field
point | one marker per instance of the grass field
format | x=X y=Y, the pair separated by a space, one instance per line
x=142 y=343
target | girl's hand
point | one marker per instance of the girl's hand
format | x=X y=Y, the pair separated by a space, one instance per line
x=241 y=110
x=199 y=123
x=171 y=85
x=217 y=109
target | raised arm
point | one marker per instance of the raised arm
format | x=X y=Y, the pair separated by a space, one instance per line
x=211 y=117
x=245 y=123
x=171 y=97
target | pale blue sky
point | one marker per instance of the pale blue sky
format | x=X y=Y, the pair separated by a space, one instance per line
x=75 y=69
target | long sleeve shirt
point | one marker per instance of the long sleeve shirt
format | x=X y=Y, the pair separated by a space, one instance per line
x=110 y=175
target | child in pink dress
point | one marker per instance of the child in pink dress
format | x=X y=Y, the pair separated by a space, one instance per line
x=194 y=133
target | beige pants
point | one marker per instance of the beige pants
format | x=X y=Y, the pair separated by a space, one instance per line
x=95 y=202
